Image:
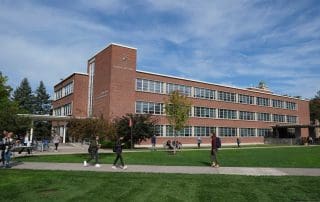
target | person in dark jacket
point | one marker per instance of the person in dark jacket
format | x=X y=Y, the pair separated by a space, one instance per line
x=215 y=144
x=118 y=150
x=238 y=142
x=93 y=151
x=8 y=143
x=154 y=142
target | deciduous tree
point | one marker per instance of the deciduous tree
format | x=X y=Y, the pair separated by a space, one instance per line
x=177 y=110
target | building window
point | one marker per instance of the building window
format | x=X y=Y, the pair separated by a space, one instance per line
x=226 y=96
x=291 y=105
x=277 y=103
x=247 y=132
x=58 y=94
x=245 y=99
x=57 y=112
x=149 y=86
x=204 y=112
x=203 y=130
x=263 y=101
x=227 y=114
x=243 y=115
x=185 y=90
x=279 y=118
x=264 y=117
x=186 y=131
x=158 y=129
x=65 y=110
x=149 y=108
x=204 y=93
x=227 y=132
x=291 y=119
x=264 y=132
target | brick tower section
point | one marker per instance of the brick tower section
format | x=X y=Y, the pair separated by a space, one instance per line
x=113 y=81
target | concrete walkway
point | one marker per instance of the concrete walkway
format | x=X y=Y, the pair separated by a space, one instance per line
x=174 y=169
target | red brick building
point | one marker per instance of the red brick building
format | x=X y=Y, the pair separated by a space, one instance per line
x=114 y=87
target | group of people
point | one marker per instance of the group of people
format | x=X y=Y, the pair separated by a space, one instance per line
x=173 y=144
x=19 y=143
x=6 y=145
x=117 y=149
x=94 y=155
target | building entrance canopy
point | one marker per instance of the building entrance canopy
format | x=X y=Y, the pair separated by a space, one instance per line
x=36 y=117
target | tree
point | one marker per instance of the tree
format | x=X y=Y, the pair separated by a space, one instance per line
x=317 y=96
x=315 y=107
x=5 y=89
x=24 y=97
x=177 y=109
x=80 y=129
x=42 y=105
x=8 y=114
x=143 y=126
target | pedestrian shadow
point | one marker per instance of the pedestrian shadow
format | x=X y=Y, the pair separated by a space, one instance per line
x=205 y=163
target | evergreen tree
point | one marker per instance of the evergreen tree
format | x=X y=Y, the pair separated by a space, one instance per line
x=23 y=96
x=42 y=103
x=5 y=90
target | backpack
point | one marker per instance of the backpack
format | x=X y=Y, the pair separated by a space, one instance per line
x=218 y=142
x=114 y=149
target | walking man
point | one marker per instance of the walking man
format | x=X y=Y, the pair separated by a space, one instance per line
x=118 y=150
x=238 y=142
x=215 y=144
x=154 y=142
x=93 y=151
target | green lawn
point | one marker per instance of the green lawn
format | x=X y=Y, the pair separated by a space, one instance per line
x=303 y=157
x=27 y=185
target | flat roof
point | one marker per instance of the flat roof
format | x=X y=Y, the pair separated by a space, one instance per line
x=245 y=89
x=78 y=73
x=115 y=44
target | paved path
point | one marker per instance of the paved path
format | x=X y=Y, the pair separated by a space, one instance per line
x=174 y=169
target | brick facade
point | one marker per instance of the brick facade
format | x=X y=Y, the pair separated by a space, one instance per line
x=114 y=94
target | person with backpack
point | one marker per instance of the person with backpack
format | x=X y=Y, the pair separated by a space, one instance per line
x=118 y=150
x=93 y=151
x=215 y=145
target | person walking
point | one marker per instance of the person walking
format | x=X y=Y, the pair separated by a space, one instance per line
x=3 y=146
x=8 y=142
x=199 y=141
x=56 y=141
x=238 y=142
x=154 y=142
x=118 y=150
x=93 y=151
x=215 y=145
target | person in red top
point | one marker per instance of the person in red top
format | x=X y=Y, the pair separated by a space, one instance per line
x=215 y=144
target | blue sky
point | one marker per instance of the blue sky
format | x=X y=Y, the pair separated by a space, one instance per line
x=237 y=43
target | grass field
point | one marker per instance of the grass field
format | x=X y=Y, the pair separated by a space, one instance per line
x=26 y=185
x=300 y=157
